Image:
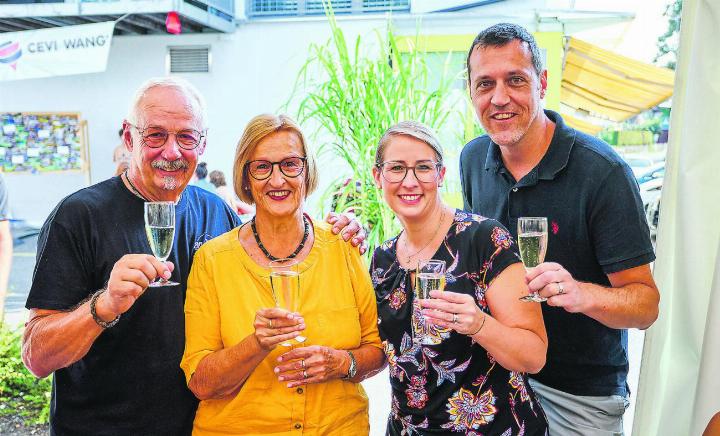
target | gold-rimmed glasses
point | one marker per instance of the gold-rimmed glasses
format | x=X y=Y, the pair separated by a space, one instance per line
x=156 y=137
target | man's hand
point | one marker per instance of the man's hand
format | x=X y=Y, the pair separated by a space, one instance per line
x=129 y=278
x=348 y=227
x=556 y=284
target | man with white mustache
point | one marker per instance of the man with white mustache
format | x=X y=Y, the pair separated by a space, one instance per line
x=596 y=277
x=115 y=349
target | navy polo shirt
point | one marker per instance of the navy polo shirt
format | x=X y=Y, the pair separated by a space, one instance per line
x=596 y=226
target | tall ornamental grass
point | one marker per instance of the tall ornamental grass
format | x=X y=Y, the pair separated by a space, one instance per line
x=352 y=98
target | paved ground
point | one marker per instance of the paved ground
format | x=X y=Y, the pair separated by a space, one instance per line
x=377 y=388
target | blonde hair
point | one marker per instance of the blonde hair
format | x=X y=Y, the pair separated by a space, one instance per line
x=414 y=129
x=256 y=130
x=196 y=103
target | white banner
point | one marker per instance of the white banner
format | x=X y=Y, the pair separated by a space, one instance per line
x=58 y=51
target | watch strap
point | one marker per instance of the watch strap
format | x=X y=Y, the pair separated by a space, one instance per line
x=352 y=369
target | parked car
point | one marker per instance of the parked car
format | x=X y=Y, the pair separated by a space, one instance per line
x=650 y=184
x=650 y=190
x=656 y=171
x=652 y=213
x=641 y=163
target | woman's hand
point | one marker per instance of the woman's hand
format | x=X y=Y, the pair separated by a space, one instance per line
x=452 y=310
x=313 y=364
x=274 y=325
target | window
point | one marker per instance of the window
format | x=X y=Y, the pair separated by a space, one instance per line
x=293 y=8
x=188 y=59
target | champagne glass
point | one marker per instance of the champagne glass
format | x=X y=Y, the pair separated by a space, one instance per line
x=532 y=242
x=429 y=276
x=160 y=230
x=285 y=284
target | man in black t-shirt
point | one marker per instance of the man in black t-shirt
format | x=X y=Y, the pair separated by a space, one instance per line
x=114 y=348
x=596 y=277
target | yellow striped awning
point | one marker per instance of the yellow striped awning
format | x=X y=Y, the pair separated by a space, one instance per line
x=609 y=86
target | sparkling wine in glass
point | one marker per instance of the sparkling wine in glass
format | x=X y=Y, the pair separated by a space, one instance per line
x=160 y=230
x=532 y=243
x=285 y=284
x=430 y=276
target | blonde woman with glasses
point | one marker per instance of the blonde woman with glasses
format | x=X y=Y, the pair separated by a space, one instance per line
x=467 y=374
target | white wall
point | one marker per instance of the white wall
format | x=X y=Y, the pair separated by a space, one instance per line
x=253 y=71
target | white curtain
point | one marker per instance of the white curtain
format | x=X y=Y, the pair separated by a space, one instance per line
x=679 y=388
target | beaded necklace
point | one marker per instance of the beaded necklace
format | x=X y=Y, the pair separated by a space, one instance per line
x=132 y=187
x=294 y=253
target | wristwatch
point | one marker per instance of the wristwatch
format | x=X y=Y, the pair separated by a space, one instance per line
x=352 y=370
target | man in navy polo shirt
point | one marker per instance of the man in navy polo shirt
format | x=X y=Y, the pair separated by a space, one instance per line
x=597 y=276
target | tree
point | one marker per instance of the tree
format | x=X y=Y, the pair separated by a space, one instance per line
x=668 y=41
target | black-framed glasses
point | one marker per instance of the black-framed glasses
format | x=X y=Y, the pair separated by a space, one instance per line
x=394 y=172
x=156 y=137
x=262 y=169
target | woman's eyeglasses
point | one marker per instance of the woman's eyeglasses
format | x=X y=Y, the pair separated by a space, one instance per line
x=395 y=172
x=262 y=169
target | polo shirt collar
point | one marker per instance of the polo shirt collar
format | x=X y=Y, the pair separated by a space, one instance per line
x=558 y=153
x=555 y=159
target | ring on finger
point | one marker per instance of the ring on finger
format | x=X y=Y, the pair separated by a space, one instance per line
x=304 y=374
x=270 y=323
x=455 y=318
x=302 y=364
x=561 y=289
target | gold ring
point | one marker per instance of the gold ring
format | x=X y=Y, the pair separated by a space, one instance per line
x=561 y=289
x=270 y=323
x=304 y=373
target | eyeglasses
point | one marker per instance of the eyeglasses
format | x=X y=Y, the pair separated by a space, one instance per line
x=156 y=137
x=262 y=169
x=394 y=172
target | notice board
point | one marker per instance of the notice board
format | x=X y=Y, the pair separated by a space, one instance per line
x=42 y=142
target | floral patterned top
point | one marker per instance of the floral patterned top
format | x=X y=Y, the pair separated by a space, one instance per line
x=453 y=386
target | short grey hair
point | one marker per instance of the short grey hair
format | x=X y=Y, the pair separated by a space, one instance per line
x=414 y=129
x=196 y=102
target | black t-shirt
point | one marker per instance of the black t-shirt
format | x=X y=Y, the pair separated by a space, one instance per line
x=129 y=382
x=596 y=226
x=453 y=386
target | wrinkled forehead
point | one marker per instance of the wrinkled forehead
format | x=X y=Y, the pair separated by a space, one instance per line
x=162 y=106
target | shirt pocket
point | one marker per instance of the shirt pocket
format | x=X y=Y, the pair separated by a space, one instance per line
x=340 y=328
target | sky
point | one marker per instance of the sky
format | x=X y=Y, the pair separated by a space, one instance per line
x=636 y=39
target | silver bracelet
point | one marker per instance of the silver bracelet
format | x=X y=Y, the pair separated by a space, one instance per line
x=93 y=312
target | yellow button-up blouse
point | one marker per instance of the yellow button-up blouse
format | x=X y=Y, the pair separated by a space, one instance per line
x=225 y=289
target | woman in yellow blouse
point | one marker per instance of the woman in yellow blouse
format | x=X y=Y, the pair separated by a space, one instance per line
x=248 y=384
